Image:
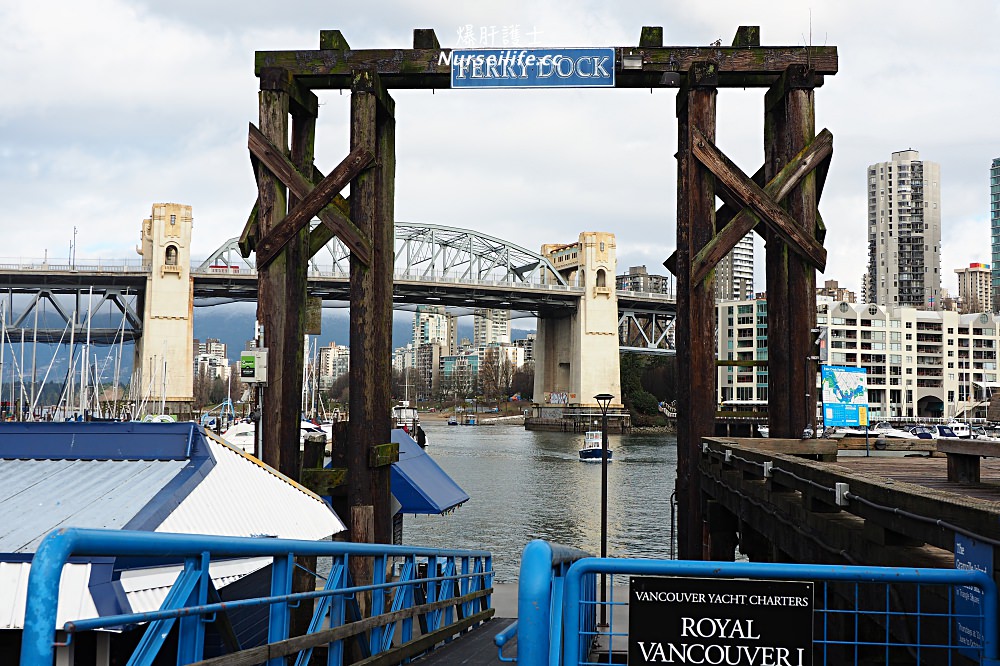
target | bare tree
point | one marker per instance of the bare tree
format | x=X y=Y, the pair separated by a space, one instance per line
x=489 y=373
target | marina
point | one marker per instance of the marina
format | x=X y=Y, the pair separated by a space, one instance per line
x=386 y=535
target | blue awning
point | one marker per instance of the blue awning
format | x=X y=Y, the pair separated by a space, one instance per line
x=418 y=483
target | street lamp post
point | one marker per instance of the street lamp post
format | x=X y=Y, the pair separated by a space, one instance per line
x=604 y=399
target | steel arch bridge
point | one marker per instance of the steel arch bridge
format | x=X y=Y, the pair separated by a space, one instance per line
x=424 y=251
x=435 y=265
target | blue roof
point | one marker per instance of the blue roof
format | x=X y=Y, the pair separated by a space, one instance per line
x=95 y=474
x=418 y=483
x=102 y=440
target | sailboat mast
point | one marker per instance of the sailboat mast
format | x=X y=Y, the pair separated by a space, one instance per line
x=70 y=377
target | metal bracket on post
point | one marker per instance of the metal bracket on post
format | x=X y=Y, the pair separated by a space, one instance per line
x=840 y=491
x=729 y=455
x=768 y=469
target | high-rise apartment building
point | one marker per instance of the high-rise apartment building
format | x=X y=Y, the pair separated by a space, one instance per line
x=734 y=274
x=490 y=327
x=904 y=232
x=974 y=293
x=433 y=324
x=639 y=279
x=995 y=226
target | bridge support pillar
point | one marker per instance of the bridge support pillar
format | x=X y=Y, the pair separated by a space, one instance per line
x=163 y=355
x=576 y=356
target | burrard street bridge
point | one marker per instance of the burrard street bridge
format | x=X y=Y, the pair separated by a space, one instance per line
x=460 y=269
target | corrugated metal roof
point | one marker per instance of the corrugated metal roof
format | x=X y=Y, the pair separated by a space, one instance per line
x=240 y=496
x=189 y=484
x=47 y=494
x=75 y=602
x=146 y=589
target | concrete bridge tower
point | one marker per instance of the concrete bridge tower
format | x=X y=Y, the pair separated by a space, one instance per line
x=576 y=356
x=163 y=355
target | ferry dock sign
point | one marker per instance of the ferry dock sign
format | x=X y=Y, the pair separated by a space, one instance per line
x=531 y=68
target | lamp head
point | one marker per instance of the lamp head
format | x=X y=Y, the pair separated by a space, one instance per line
x=604 y=399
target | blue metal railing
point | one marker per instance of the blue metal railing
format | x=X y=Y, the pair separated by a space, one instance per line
x=539 y=602
x=832 y=606
x=450 y=575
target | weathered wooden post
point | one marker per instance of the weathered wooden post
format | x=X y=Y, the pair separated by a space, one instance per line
x=372 y=130
x=281 y=293
x=695 y=298
x=790 y=127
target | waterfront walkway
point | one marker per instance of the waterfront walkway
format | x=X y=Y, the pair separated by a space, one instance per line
x=476 y=647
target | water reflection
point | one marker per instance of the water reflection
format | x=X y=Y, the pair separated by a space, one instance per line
x=531 y=485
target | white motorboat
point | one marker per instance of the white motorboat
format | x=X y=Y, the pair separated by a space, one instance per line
x=592 y=447
x=889 y=431
x=961 y=430
x=241 y=434
x=933 y=432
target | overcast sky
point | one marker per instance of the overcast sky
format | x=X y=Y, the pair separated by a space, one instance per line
x=110 y=106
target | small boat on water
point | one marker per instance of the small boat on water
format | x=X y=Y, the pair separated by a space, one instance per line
x=452 y=420
x=592 y=447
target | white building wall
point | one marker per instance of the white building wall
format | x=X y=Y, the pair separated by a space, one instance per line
x=919 y=363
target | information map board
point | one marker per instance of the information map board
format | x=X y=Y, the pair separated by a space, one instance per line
x=845 y=396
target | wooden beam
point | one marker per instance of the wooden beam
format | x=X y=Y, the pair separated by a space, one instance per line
x=424 y=38
x=336 y=215
x=809 y=158
x=747 y=36
x=722 y=217
x=300 y=98
x=333 y=40
x=425 y=68
x=248 y=237
x=278 y=164
x=755 y=198
x=651 y=35
x=318 y=197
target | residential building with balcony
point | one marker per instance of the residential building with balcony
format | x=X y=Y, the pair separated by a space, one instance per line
x=919 y=363
x=904 y=232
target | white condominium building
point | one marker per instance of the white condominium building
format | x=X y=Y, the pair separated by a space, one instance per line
x=919 y=363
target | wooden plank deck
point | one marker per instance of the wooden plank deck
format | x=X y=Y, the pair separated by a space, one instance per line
x=929 y=472
x=473 y=648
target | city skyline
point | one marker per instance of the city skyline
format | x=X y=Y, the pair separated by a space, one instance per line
x=98 y=153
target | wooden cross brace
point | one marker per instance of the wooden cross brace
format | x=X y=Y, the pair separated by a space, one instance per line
x=736 y=188
x=745 y=200
x=315 y=198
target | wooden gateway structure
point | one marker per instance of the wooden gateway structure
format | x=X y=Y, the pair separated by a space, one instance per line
x=778 y=200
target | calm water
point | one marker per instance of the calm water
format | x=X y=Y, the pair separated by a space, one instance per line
x=528 y=485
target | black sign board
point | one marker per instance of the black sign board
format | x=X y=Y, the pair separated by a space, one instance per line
x=720 y=621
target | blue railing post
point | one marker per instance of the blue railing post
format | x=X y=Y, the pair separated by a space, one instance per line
x=186 y=606
x=191 y=628
x=43 y=597
x=534 y=589
x=279 y=617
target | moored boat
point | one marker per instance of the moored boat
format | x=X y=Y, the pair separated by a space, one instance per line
x=592 y=447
